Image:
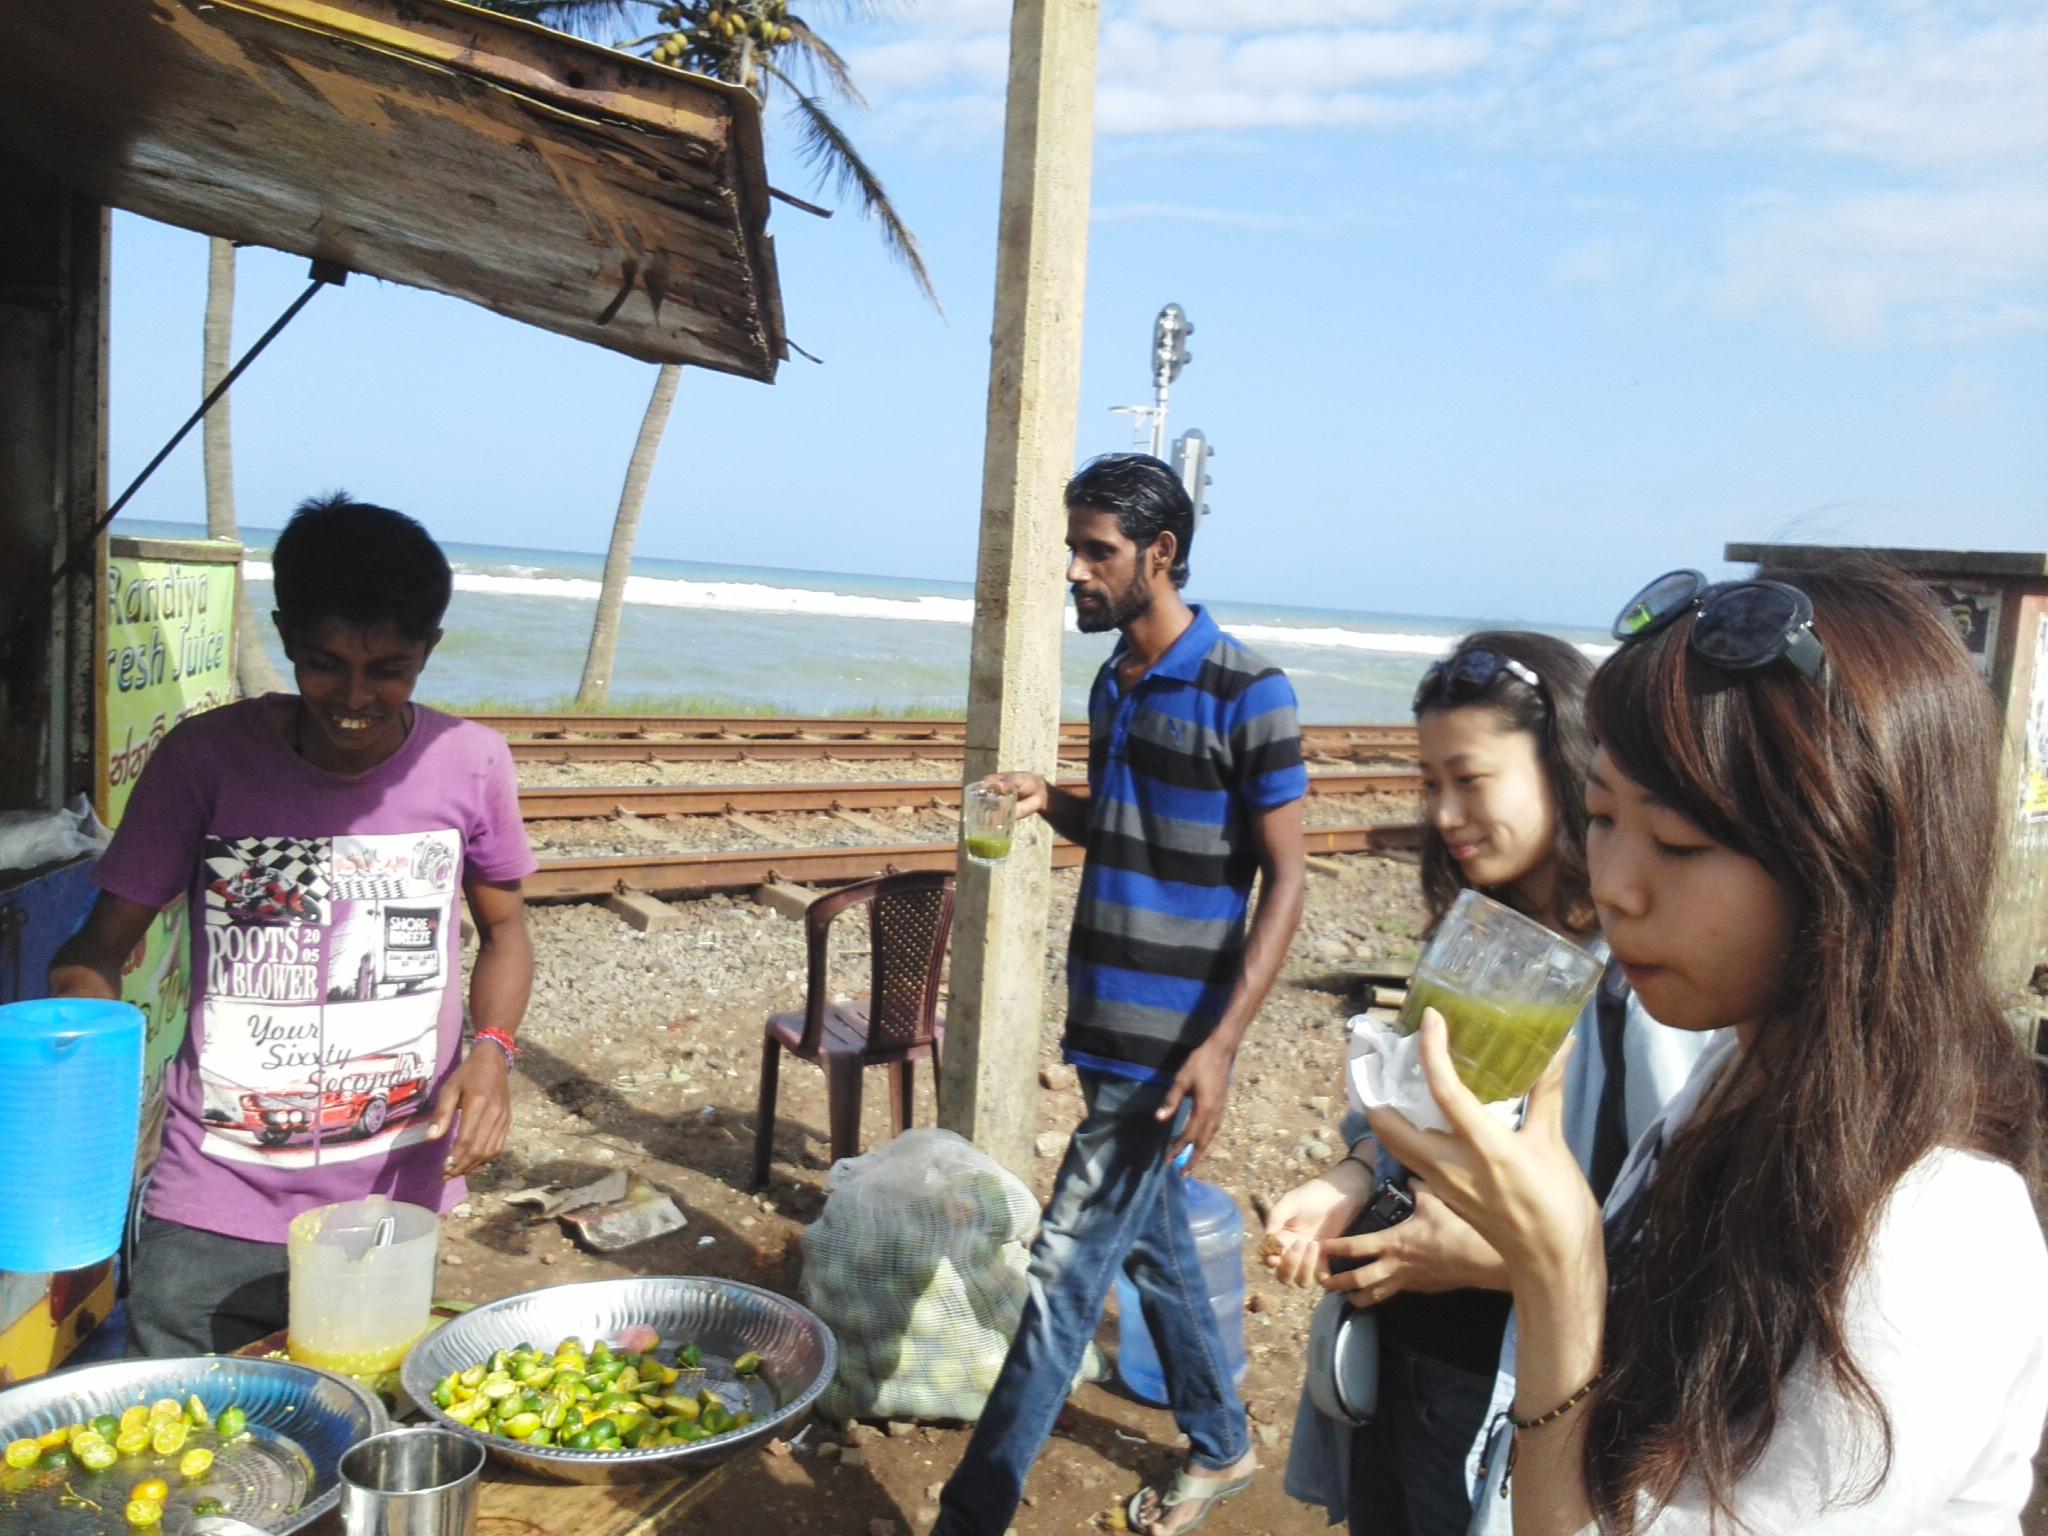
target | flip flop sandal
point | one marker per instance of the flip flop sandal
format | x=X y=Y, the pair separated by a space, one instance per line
x=1187 y=1489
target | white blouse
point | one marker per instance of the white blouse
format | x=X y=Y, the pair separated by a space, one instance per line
x=1948 y=1321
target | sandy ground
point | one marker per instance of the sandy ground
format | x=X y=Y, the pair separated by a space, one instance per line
x=644 y=1050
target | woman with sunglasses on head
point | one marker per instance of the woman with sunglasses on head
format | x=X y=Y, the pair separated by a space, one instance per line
x=1503 y=749
x=1814 y=1302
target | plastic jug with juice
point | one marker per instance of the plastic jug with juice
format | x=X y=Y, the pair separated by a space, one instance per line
x=1509 y=990
x=362 y=1284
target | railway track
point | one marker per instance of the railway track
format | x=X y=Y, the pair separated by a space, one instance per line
x=700 y=874
x=583 y=804
x=740 y=738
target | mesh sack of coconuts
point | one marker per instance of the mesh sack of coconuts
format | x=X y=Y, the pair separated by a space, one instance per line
x=918 y=1264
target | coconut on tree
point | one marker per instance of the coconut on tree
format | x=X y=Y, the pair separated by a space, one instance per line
x=764 y=47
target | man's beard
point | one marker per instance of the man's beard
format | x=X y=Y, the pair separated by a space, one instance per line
x=1119 y=611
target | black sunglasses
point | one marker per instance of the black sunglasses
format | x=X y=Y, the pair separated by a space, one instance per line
x=1465 y=676
x=1742 y=625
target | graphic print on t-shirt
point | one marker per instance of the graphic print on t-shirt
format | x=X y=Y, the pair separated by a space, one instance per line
x=324 y=962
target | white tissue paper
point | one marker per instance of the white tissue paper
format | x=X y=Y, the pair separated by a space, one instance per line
x=1385 y=1072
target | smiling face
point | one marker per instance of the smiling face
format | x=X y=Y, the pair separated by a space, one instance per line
x=1704 y=932
x=1110 y=576
x=354 y=685
x=1484 y=791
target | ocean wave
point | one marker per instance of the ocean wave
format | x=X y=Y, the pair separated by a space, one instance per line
x=1331 y=637
x=714 y=596
x=810 y=602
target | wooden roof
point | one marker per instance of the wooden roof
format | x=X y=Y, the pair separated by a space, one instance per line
x=1978 y=563
x=421 y=141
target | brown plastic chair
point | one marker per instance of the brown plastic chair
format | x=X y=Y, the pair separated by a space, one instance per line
x=910 y=918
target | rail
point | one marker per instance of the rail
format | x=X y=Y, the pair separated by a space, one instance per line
x=701 y=874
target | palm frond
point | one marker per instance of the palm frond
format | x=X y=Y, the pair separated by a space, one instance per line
x=823 y=60
x=832 y=157
x=594 y=19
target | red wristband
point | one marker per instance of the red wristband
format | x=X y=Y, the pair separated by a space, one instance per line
x=502 y=1041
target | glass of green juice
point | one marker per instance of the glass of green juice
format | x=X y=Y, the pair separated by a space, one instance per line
x=1509 y=990
x=988 y=822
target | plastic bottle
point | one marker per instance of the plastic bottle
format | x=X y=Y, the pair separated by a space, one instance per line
x=1218 y=1228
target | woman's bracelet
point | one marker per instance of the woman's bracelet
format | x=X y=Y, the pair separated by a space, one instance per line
x=1562 y=1408
x=502 y=1041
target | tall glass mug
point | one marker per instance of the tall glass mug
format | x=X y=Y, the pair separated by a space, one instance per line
x=988 y=821
x=1509 y=990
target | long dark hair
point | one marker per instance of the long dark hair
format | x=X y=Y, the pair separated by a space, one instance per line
x=1871 y=798
x=1564 y=747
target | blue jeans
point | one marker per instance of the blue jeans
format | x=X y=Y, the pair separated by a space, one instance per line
x=1115 y=1203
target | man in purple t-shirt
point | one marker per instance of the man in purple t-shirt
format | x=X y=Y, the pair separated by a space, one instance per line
x=323 y=838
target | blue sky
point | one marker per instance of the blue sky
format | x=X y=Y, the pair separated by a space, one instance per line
x=1501 y=307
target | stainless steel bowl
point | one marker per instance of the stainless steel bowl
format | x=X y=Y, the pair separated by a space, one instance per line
x=723 y=1318
x=282 y=1478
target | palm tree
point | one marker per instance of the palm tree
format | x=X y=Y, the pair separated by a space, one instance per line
x=253 y=668
x=759 y=45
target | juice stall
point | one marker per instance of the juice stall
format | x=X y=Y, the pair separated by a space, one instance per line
x=424 y=142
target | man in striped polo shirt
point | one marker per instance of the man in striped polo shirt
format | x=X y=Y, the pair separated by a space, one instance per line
x=1195 y=783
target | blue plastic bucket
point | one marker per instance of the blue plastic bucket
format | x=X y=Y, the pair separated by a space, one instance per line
x=70 y=1108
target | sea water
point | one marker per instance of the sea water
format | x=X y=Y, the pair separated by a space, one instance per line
x=725 y=637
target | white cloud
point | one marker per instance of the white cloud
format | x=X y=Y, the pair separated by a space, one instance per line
x=1265 y=15
x=1963 y=392
x=1952 y=263
x=978 y=62
x=1935 y=104
x=1596 y=262
x=1222 y=218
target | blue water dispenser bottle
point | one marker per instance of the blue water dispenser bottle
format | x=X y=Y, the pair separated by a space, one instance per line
x=1218 y=1228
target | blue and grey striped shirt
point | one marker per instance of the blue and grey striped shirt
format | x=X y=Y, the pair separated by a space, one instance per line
x=1179 y=769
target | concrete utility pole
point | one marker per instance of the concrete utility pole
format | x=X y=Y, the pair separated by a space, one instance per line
x=990 y=1092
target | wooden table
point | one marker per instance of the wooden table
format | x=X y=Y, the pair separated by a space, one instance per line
x=514 y=1503
x=511 y=1503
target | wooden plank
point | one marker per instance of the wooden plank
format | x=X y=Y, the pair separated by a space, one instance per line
x=513 y=1503
x=1960 y=564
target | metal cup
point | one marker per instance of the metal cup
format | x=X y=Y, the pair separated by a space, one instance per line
x=411 y=1482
